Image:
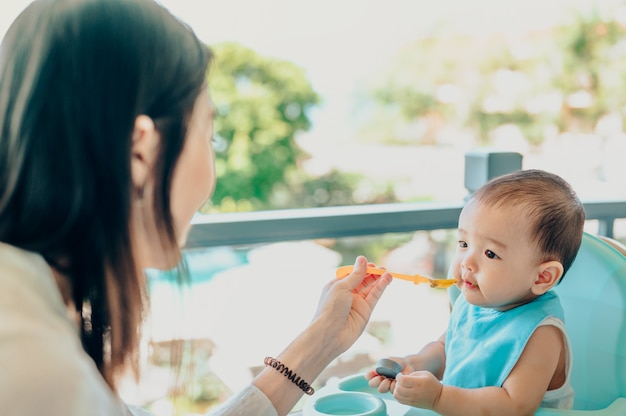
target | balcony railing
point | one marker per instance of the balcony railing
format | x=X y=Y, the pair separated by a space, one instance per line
x=350 y=221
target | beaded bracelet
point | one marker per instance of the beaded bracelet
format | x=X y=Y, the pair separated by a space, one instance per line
x=291 y=376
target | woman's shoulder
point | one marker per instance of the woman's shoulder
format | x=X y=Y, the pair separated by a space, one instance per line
x=44 y=367
x=30 y=299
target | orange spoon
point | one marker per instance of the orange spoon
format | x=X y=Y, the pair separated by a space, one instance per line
x=343 y=271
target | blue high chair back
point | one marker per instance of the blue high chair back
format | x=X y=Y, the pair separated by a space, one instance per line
x=593 y=295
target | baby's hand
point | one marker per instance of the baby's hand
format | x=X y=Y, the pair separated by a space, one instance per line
x=376 y=381
x=418 y=389
x=383 y=377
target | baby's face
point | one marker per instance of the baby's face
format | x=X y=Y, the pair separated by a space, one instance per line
x=495 y=262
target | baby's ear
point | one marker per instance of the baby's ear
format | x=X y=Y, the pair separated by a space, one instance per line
x=549 y=274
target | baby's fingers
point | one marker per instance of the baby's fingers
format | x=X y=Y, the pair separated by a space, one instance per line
x=370 y=374
x=382 y=384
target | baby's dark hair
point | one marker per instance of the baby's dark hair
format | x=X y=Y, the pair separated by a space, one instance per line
x=555 y=214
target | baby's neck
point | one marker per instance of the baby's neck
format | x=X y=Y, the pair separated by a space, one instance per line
x=514 y=304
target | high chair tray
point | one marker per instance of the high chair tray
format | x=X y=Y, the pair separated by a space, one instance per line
x=352 y=396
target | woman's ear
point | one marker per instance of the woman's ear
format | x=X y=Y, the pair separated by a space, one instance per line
x=144 y=151
x=549 y=274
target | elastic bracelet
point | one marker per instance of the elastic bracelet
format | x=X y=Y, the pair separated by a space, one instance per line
x=291 y=376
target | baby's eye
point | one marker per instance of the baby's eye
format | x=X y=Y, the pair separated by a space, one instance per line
x=462 y=244
x=491 y=254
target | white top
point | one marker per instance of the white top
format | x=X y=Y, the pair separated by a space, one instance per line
x=250 y=401
x=43 y=367
x=562 y=397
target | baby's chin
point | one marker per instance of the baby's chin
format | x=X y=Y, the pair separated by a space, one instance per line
x=474 y=297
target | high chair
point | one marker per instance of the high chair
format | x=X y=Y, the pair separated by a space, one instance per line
x=593 y=295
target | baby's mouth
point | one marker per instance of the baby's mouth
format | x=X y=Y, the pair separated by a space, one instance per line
x=469 y=285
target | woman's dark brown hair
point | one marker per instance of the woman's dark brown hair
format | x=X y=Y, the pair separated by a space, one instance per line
x=74 y=75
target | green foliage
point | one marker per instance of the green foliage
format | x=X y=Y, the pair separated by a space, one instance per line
x=565 y=79
x=593 y=63
x=411 y=92
x=332 y=189
x=261 y=104
x=562 y=80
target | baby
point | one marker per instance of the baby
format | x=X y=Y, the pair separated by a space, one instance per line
x=505 y=351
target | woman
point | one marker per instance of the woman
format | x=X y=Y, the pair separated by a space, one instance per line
x=105 y=155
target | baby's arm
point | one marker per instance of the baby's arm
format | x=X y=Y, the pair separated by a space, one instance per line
x=431 y=358
x=521 y=393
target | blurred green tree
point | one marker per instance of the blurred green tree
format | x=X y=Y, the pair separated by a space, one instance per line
x=564 y=79
x=592 y=71
x=261 y=104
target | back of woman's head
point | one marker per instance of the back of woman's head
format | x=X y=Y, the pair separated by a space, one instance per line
x=74 y=75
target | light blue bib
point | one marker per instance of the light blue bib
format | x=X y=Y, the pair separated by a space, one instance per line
x=483 y=345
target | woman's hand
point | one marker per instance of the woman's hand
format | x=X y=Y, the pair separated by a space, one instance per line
x=346 y=305
x=342 y=313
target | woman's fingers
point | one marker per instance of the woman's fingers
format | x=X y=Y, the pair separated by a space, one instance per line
x=354 y=279
x=362 y=283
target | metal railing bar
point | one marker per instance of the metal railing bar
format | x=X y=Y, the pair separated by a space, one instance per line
x=352 y=221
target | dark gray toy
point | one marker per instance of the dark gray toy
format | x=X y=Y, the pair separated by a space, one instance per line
x=387 y=368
